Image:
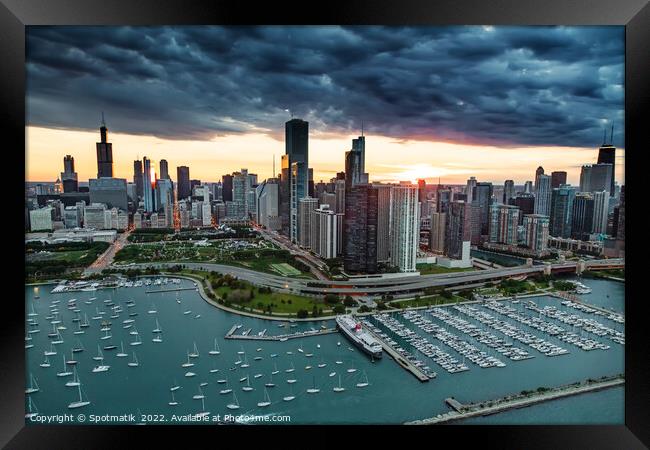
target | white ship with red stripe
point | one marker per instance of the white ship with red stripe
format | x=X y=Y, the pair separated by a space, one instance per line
x=356 y=334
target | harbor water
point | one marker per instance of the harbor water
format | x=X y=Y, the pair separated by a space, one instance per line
x=392 y=395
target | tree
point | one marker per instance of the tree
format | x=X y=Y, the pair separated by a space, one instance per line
x=332 y=299
x=363 y=309
x=339 y=309
x=348 y=301
x=302 y=313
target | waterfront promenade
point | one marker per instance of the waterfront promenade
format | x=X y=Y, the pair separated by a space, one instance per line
x=465 y=411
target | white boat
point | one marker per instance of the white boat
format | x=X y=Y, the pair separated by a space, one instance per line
x=291 y=369
x=270 y=383
x=248 y=386
x=245 y=364
x=363 y=383
x=79 y=403
x=188 y=363
x=313 y=389
x=157 y=329
x=234 y=404
x=134 y=363
x=198 y=316
x=267 y=400
x=187 y=312
x=157 y=338
x=121 y=354
x=195 y=353
x=173 y=402
x=85 y=323
x=71 y=361
x=101 y=368
x=214 y=369
x=33 y=385
x=275 y=371
x=257 y=375
x=137 y=340
x=200 y=395
x=339 y=388
x=190 y=374
x=216 y=349
x=153 y=309
x=100 y=355
x=65 y=371
x=175 y=387
x=322 y=363
x=45 y=363
x=352 y=369
x=75 y=379
x=106 y=336
x=332 y=374
x=32 y=411
x=289 y=397
x=52 y=351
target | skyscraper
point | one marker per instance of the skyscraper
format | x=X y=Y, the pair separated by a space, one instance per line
x=482 y=198
x=582 y=216
x=360 y=229
x=267 y=204
x=508 y=191
x=355 y=163
x=297 y=161
x=561 y=211
x=601 y=208
x=184 y=190
x=383 y=221
x=443 y=198
x=536 y=231
x=525 y=203
x=305 y=207
x=528 y=187
x=607 y=155
x=538 y=172
x=137 y=178
x=458 y=230
x=504 y=220
x=149 y=186
x=437 y=234
x=164 y=170
x=104 y=153
x=226 y=192
x=469 y=189
x=404 y=227
x=543 y=195
x=620 y=222
x=69 y=176
x=558 y=178
x=110 y=191
x=596 y=177
x=325 y=225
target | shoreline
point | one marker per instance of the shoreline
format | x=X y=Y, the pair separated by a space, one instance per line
x=507 y=405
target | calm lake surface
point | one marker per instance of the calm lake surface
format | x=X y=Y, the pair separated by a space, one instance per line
x=393 y=395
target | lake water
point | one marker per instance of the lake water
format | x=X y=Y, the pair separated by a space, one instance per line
x=393 y=396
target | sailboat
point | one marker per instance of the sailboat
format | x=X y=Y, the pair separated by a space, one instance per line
x=352 y=369
x=190 y=374
x=157 y=338
x=234 y=404
x=322 y=363
x=101 y=368
x=33 y=386
x=78 y=348
x=214 y=369
x=137 y=340
x=175 y=387
x=33 y=312
x=78 y=330
x=200 y=395
x=75 y=379
x=248 y=386
x=195 y=353
x=173 y=402
x=100 y=355
x=300 y=348
x=33 y=412
x=121 y=354
x=157 y=329
x=289 y=397
x=291 y=369
x=245 y=364
x=134 y=363
x=106 y=336
x=227 y=390
x=216 y=350
x=313 y=389
x=241 y=352
x=339 y=388
x=266 y=401
x=85 y=323
x=275 y=371
x=188 y=363
x=59 y=338
x=71 y=361
x=363 y=383
x=79 y=403
x=45 y=363
x=64 y=372
x=178 y=300
x=134 y=332
x=153 y=309
x=52 y=351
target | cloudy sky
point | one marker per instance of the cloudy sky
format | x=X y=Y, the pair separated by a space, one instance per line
x=449 y=102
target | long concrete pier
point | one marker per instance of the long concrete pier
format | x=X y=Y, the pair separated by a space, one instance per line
x=406 y=364
x=156 y=291
x=282 y=337
x=465 y=411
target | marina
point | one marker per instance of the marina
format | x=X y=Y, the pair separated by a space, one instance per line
x=112 y=385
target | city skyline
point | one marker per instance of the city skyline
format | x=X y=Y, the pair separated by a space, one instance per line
x=449 y=102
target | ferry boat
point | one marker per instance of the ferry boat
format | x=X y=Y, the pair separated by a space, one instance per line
x=360 y=338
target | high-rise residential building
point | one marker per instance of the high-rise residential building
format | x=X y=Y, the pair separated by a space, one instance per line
x=41 y=219
x=525 y=203
x=310 y=183
x=528 y=187
x=437 y=233
x=110 y=191
x=601 y=208
x=582 y=216
x=543 y=195
x=596 y=177
x=267 y=204
x=339 y=191
x=404 y=227
x=619 y=232
x=561 y=211
x=69 y=177
x=504 y=220
x=538 y=172
x=482 y=198
x=206 y=214
x=558 y=178
x=383 y=221
x=164 y=170
x=469 y=189
x=328 y=198
x=138 y=179
x=360 y=229
x=284 y=195
x=164 y=193
x=458 y=230
x=355 y=163
x=184 y=190
x=508 y=191
x=607 y=155
x=104 y=153
x=325 y=232
x=444 y=196
x=536 y=231
x=297 y=175
x=226 y=190
x=149 y=185
x=305 y=207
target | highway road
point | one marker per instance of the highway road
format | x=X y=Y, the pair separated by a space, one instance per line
x=106 y=259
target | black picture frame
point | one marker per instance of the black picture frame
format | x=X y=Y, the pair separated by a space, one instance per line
x=634 y=14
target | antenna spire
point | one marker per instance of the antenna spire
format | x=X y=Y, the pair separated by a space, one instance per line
x=362 y=128
x=611 y=136
x=273 y=174
x=103 y=121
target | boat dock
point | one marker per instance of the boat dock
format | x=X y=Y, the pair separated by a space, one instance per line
x=282 y=337
x=576 y=299
x=156 y=291
x=406 y=364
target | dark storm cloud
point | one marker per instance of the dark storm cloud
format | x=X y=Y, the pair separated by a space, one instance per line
x=507 y=86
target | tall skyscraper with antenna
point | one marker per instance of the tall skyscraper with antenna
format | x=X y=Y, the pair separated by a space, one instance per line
x=104 y=153
x=607 y=155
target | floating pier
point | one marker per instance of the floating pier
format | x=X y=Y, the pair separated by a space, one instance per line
x=282 y=337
